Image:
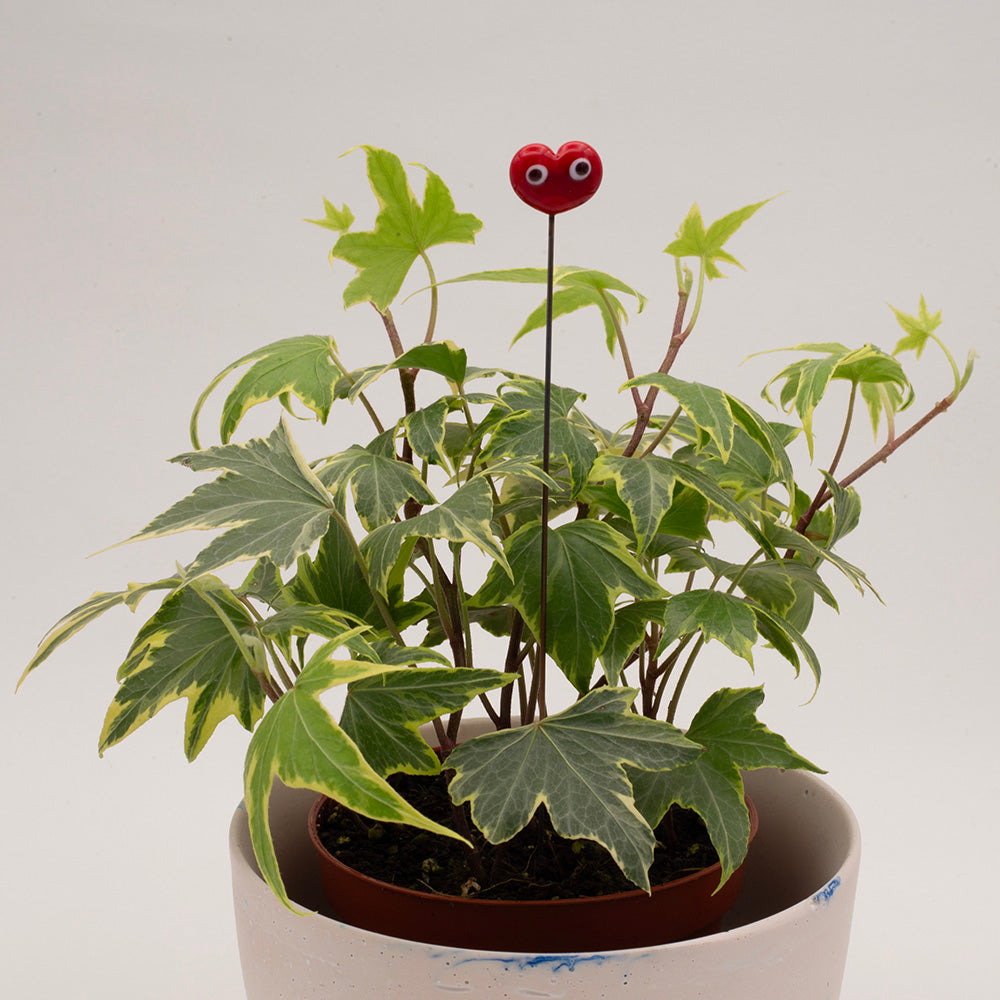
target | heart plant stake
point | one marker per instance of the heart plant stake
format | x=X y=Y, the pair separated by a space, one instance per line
x=416 y=569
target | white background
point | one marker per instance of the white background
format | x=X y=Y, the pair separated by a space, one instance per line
x=158 y=159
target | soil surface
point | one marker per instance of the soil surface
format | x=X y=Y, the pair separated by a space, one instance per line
x=535 y=864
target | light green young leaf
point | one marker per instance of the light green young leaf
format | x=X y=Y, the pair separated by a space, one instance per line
x=576 y=288
x=299 y=743
x=805 y=381
x=268 y=497
x=300 y=366
x=404 y=230
x=589 y=566
x=693 y=240
x=382 y=714
x=200 y=645
x=338 y=219
x=464 y=517
x=918 y=329
x=573 y=764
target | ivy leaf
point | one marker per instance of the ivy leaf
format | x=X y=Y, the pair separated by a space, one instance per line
x=727 y=727
x=382 y=713
x=442 y=357
x=645 y=486
x=404 y=230
x=716 y=615
x=464 y=517
x=199 y=645
x=426 y=430
x=380 y=483
x=805 y=381
x=918 y=329
x=706 y=406
x=576 y=288
x=299 y=743
x=93 y=608
x=626 y=633
x=589 y=566
x=520 y=432
x=338 y=219
x=573 y=764
x=268 y=497
x=300 y=366
x=694 y=240
x=718 y=497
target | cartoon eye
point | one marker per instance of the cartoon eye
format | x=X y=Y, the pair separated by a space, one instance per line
x=537 y=174
x=580 y=168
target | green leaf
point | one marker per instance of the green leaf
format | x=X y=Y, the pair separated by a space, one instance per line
x=520 y=434
x=92 y=608
x=464 y=517
x=268 y=497
x=300 y=743
x=627 y=632
x=711 y=491
x=706 y=406
x=576 y=288
x=693 y=240
x=338 y=219
x=382 y=714
x=404 y=229
x=918 y=329
x=787 y=537
x=199 y=645
x=573 y=764
x=727 y=722
x=846 y=510
x=712 y=785
x=805 y=381
x=716 y=615
x=426 y=430
x=589 y=566
x=300 y=366
x=645 y=486
x=785 y=637
x=380 y=483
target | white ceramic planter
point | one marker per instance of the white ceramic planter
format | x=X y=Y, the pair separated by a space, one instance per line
x=786 y=938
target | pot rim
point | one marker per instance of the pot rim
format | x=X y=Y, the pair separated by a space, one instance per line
x=713 y=870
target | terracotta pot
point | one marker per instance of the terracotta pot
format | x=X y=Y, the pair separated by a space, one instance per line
x=784 y=939
x=673 y=911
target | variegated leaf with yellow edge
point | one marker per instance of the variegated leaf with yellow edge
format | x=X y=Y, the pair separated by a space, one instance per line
x=299 y=743
x=199 y=645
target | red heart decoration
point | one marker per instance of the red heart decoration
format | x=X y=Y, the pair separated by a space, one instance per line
x=556 y=182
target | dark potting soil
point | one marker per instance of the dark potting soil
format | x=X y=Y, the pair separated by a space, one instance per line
x=535 y=864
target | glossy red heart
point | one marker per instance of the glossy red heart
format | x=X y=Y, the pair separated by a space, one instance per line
x=556 y=182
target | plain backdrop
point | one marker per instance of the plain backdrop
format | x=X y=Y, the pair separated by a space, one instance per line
x=158 y=158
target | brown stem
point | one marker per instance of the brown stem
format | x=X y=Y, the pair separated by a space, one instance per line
x=644 y=412
x=824 y=495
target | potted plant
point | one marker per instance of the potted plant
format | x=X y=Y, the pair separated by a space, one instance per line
x=387 y=568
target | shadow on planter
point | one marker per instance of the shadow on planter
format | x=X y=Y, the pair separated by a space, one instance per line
x=785 y=939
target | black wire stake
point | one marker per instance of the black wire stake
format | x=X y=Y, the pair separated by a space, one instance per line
x=552 y=183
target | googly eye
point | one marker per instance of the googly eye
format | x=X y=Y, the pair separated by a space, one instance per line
x=580 y=168
x=536 y=174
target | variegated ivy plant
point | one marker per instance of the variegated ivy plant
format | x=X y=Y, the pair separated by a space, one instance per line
x=381 y=567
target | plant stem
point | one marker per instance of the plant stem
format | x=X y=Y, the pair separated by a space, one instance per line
x=432 y=319
x=682 y=680
x=364 y=399
x=677 y=337
x=881 y=455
